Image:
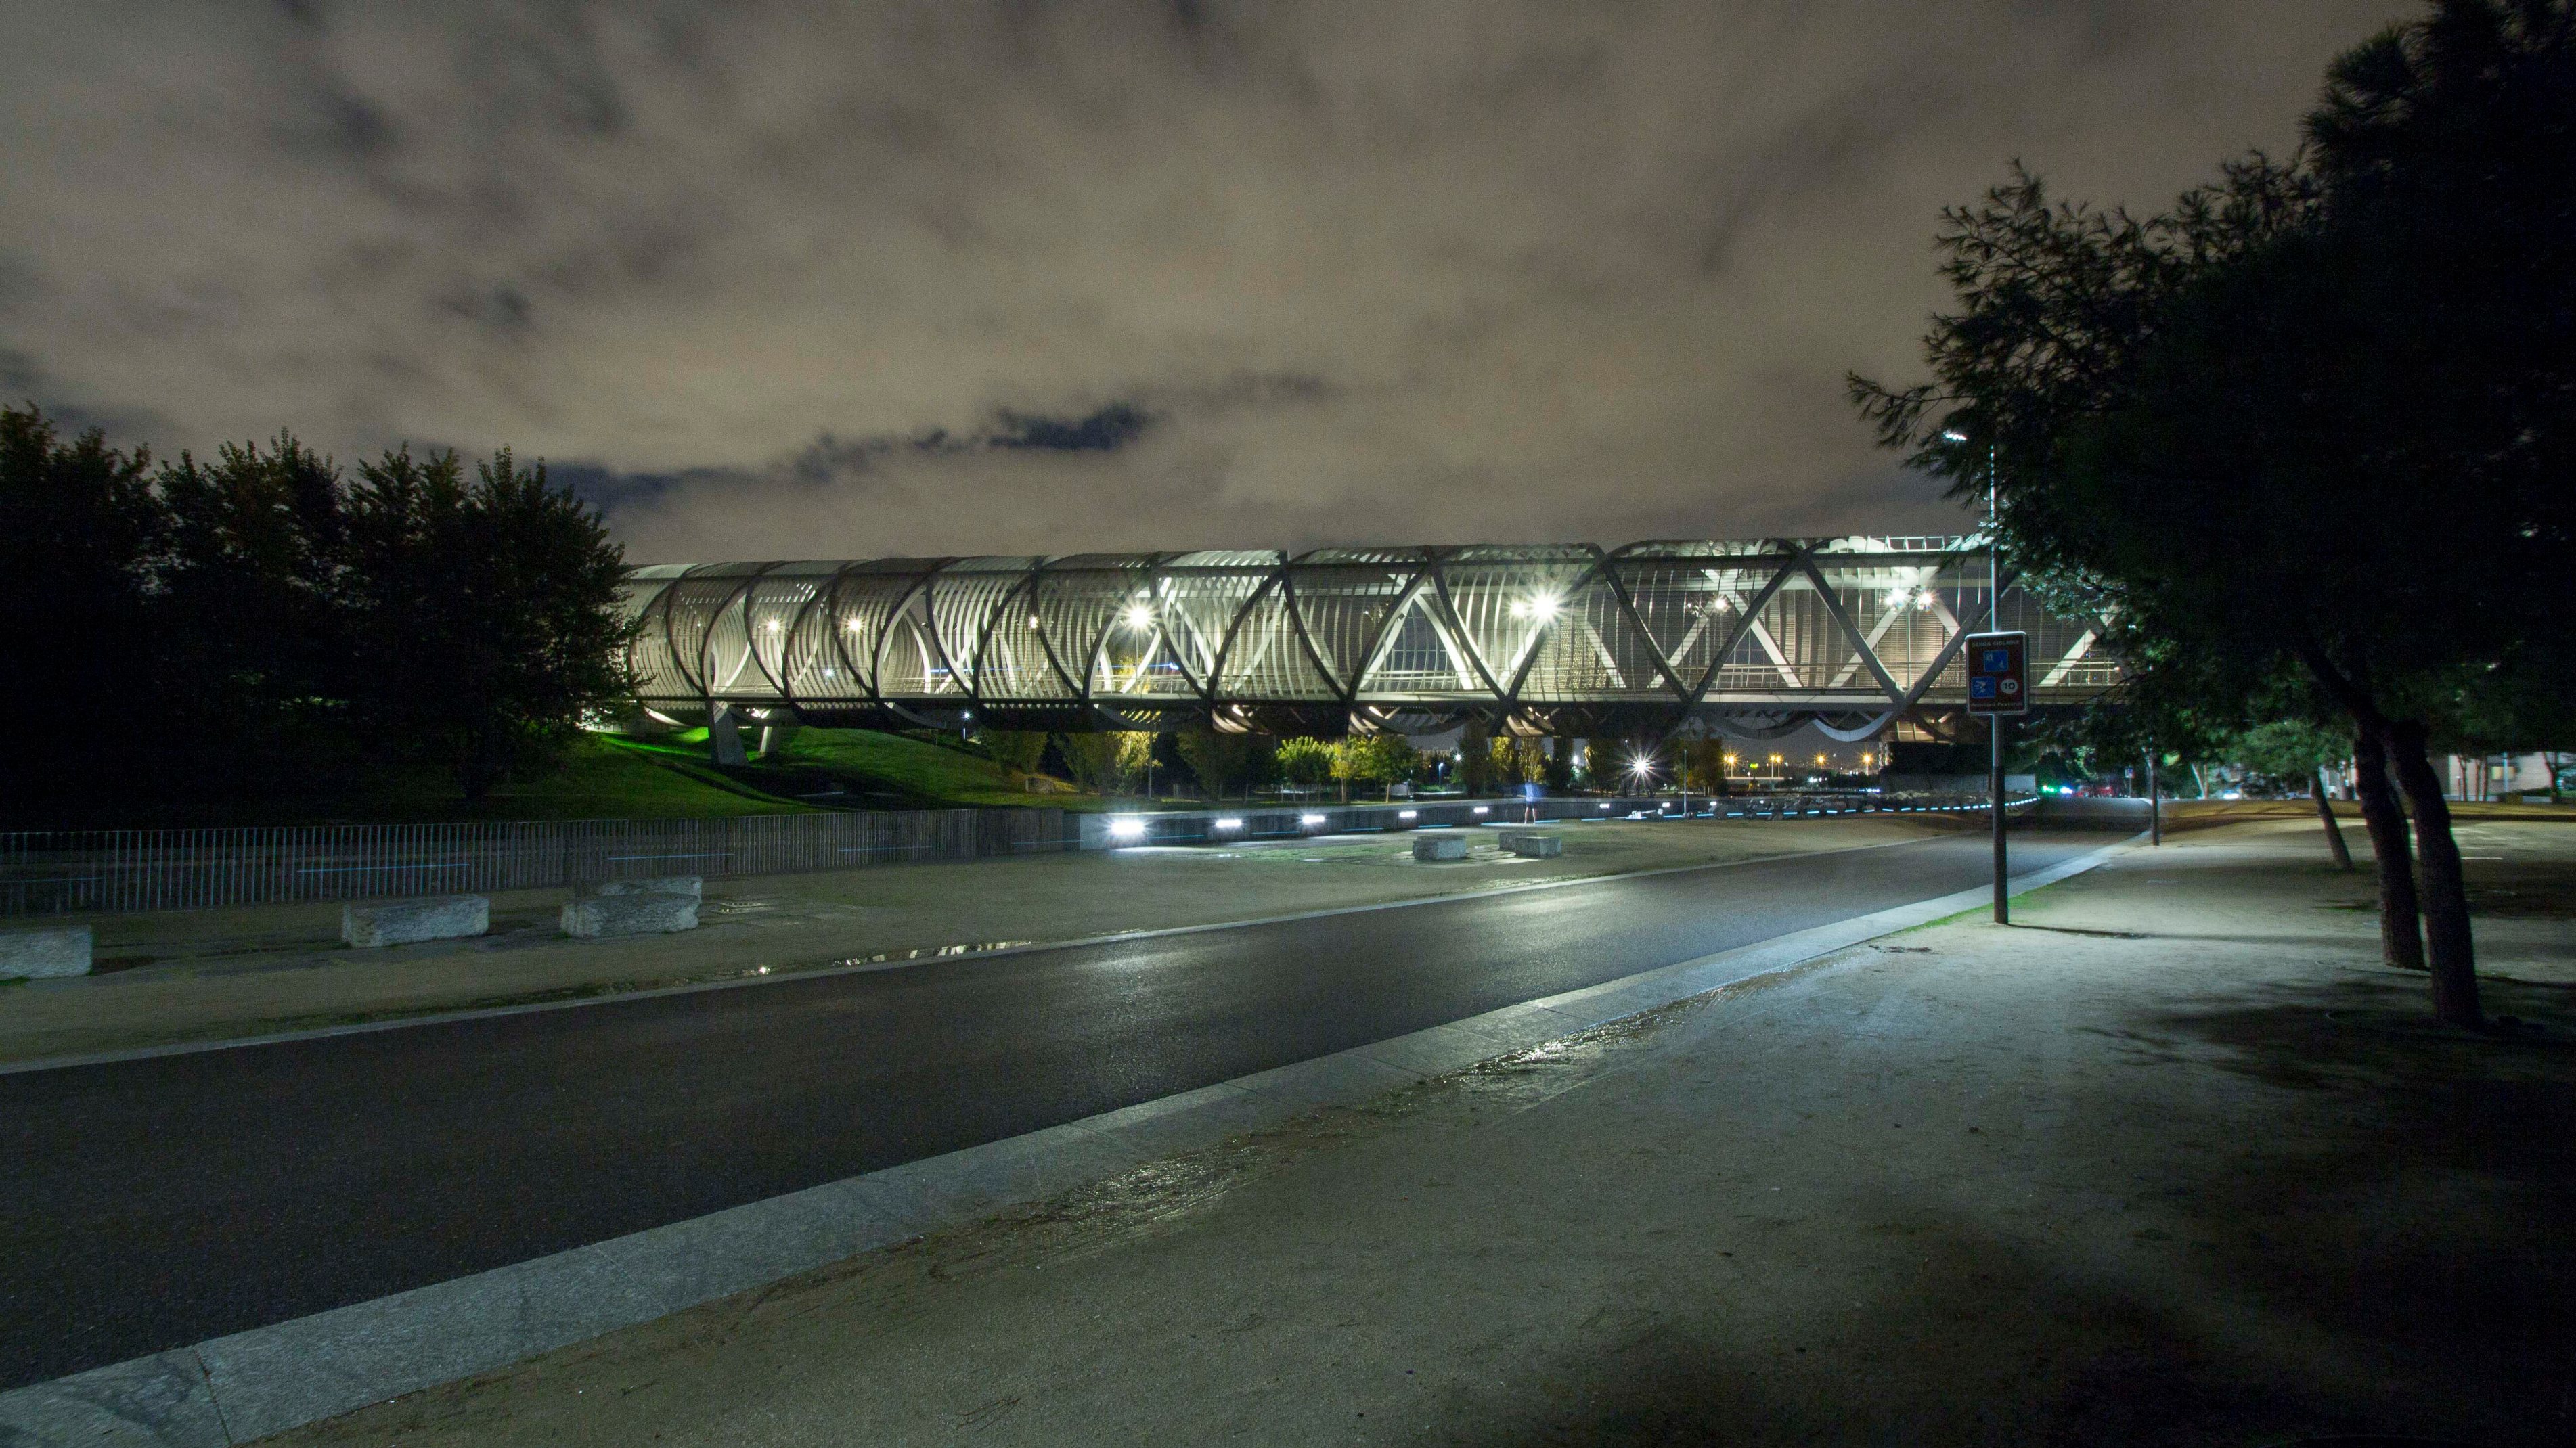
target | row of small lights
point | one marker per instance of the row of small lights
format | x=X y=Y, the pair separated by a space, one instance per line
x=1131 y=828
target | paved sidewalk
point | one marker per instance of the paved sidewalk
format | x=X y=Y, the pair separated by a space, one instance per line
x=2173 y=1160
x=177 y=976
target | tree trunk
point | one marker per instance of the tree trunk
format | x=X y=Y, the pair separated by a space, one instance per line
x=2401 y=937
x=2325 y=812
x=2450 y=951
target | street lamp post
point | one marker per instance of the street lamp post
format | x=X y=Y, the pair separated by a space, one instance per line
x=1994 y=721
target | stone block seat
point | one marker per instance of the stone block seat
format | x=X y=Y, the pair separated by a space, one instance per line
x=35 y=954
x=634 y=907
x=403 y=922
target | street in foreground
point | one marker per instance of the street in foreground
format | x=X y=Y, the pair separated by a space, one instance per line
x=2173 y=1160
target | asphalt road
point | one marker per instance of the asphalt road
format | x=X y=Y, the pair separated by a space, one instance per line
x=158 y=1202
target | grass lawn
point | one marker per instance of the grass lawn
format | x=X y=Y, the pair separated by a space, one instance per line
x=862 y=768
x=603 y=776
x=600 y=778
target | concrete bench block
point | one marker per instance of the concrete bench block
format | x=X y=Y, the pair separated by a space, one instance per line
x=27 y=954
x=631 y=912
x=688 y=885
x=1535 y=846
x=1440 y=847
x=401 y=922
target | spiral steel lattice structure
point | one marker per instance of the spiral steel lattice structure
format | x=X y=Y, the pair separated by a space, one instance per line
x=1748 y=638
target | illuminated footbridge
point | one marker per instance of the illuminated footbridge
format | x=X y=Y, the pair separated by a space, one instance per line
x=1751 y=639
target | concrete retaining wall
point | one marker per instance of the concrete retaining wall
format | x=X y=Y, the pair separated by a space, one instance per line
x=402 y=922
x=27 y=954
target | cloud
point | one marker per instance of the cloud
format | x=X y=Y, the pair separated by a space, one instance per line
x=1076 y=276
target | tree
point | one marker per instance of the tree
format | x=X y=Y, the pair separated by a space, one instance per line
x=2316 y=416
x=1705 y=759
x=484 y=617
x=1511 y=762
x=1018 y=751
x=1223 y=761
x=1109 y=761
x=247 y=586
x=2295 y=749
x=1306 y=762
x=1558 y=773
x=1381 y=759
x=1475 y=758
x=79 y=528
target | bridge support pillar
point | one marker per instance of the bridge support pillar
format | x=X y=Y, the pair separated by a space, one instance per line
x=724 y=735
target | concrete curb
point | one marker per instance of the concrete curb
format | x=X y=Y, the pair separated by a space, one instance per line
x=249 y=1385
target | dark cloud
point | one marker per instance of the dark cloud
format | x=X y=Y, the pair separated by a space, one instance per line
x=986 y=275
x=1106 y=430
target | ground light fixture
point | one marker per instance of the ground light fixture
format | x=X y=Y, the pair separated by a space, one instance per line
x=1480 y=809
x=1127 y=829
x=1406 y=814
x=1229 y=824
x=1310 y=819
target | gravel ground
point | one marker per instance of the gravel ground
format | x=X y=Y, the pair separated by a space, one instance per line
x=2172 y=1160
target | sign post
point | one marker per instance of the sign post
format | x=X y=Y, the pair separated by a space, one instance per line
x=1998 y=688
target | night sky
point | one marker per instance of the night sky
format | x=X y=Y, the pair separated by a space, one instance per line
x=827 y=280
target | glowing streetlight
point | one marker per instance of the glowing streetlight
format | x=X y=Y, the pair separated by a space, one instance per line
x=1138 y=616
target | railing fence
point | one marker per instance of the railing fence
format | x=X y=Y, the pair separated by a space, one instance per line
x=55 y=871
x=58 y=871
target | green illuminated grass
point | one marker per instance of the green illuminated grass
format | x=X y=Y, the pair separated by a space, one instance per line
x=860 y=768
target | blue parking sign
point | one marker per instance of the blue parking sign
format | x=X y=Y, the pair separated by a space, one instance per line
x=1996 y=677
